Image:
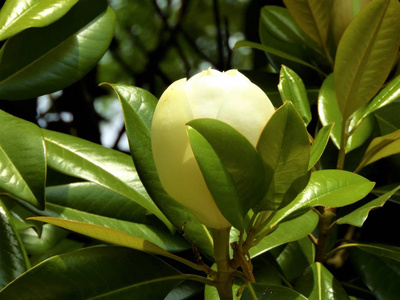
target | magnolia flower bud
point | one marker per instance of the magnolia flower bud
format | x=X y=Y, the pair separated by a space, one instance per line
x=229 y=97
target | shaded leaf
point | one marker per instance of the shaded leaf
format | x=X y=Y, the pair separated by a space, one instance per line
x=13 y=258
x=98 y=272
x=359 y=216
x=276 y=52
x=106 y=167
x=48 y=62
x=22 y=160
x=292 y=89
x=380 y=275
x=271 y=291
x=319 y=144
x=363 y=61
x=138 y=108
x=17 y=15
x=284 y=147
x=231 y=167
x=381 y=147
x=318 y=283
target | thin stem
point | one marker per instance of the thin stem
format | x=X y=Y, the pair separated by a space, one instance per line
x=323 y=232
x=224 y=280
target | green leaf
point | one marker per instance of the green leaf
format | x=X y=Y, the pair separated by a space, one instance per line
x=17 y=15
x=359 y=216
x=231 y=166
x=53 y=57
x=270 y=291
x=93 y=198
x=138 y=108
x=106 y=167
x=329 y=112
x=365 y=54
x=152 y=233
x=329 y=188
x=292 y=89
x=277 y=52
x=286 y=232
x=13 y=258
x=284 y=147
x=98 y=272
x=113 y=236
x=381 y=147
x=319 y=144
x=318 y=283
x=387 y=95
x=312 y=16
x=22 y=160
x=296 y=257
x=379 y=274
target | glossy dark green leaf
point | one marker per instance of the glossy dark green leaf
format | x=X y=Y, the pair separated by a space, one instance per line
x=388 y=118
x=13 y=258
x=329 y=112
x=276 y=52
x=359 y=216
x=22 y=160
x=106 y=167
x=330 y=188
x=387 y=95
x=363 y=61
x=292 y=89
x=312 y=16
x=138 y=108
x=50 y=236
x=319 y=144
x=17 y=15
x=296 y=257
x=231 y=166
x=113 y=236
x=153 y=233
x=285 y=149
x=93 y=198
x=379 y=274
x=318 y=283
x=271 y=291
x=381 y=147
x=53 y=57
x=96 y=273
x=286 y=232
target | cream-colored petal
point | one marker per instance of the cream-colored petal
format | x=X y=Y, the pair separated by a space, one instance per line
x=174 y=159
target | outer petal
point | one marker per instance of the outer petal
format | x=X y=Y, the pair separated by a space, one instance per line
x=175 y=161
x=246 y=108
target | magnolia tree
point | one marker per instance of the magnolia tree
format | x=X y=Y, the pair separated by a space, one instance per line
x=226 y=195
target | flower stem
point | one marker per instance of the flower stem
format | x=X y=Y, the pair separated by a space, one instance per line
x=224 y=279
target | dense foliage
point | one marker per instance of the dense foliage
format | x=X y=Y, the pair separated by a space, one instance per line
x=79 y=220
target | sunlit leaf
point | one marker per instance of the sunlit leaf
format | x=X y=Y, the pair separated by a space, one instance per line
x=106 y=167
x=359 y=216
x=96 y=273
x=231 y=167
x=292 y=89
x=319 y=144
x=22 y=160
x=138 y=108
x=363 y=61
x=284 y=147
x=17 y=15
x=47 y=62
